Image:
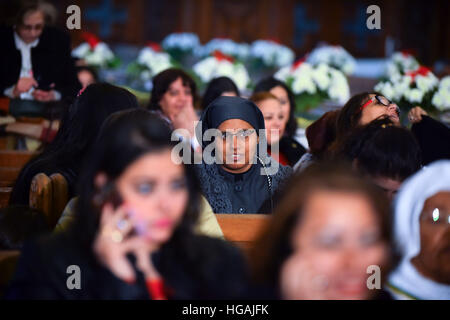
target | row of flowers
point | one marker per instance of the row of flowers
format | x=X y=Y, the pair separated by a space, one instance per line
x=320 y=75
x=408 y=84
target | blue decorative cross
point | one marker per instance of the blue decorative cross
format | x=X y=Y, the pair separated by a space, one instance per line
x=302 y=26
x=359 y=28
x=106 y=15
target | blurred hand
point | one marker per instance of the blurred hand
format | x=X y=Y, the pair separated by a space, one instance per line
x=415 y=114
x=113 y=242
x=185 y=119
x=43 y=96
x=24 y=85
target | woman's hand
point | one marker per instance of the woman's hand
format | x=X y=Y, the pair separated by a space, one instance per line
x=44 y=96
x=185 y=119
x=113 y=242
x=24 y=85
x=415 y=114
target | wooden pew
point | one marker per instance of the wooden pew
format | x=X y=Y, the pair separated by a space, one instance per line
x=242 y=229
x=8 y=262
x=5 y=193
x=8 y=176
x=49 y=195
x=14 y=159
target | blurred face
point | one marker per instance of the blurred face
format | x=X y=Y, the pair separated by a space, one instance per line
x=283 y=97
x=375 y=110
x=32 y=26
x=176 y=98
x=274 y=119
x=86 y=78
x=433 y=261
x=388 y=185
x=154 y=190
x=334 y=243
x=237 y=150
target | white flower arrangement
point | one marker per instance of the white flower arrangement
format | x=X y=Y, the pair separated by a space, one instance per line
x=401 y=63
x=184 y=41
x=271 y=53
x=94 y=52
x=413 y=88
x=441 y=98
x=334 y=56
x=221 y=65
x=153 y=62
x=322 y=80
x=227 y=46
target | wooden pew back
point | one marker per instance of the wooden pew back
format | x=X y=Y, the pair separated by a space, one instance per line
x=242 y=229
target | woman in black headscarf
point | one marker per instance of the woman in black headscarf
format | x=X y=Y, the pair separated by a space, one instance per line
x=235 y=175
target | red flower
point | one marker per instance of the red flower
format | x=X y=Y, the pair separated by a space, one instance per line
x=423 y=71
x=276 y=40
x=154 y=46
x=91 y=39
x=298 y=63
x=220 y=56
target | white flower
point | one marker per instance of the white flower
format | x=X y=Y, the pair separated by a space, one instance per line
x=445 y=84
x=226 y=46
x=414 y=95
x=339 y=90
x=426 y=83
x=321 y=77
x=401 y=63
x=272 y=53
x=210 y=68
x=441 y=98
x=334 y=56
x=81 y=51
x=99 y=56
x=154 y=61
x=184 y=41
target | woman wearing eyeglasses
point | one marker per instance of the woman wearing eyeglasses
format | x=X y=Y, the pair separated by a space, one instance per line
x=422 y=234
x=236 y=174
x=35 y=61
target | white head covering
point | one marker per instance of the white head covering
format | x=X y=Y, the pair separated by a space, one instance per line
x=408 y=206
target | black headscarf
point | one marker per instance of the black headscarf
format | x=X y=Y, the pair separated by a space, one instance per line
x=225 y=108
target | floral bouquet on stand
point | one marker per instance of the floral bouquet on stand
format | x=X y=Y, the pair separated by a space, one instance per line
x=95 y=53
x=415 y=88
x=400 y=63
x=181 y=47
x=266 y=57
x=313 y=85
x=219 y=65
x=334 y=56
x=150 y=61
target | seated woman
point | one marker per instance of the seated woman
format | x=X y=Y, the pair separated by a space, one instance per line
x=35 y=61
x=221 y=86
x=275 y=123
x=77 y=133
x=239 y=177
x=134 y=237
x=329 y=239
x=421 y=230
x=174 y=94
x=387 y=154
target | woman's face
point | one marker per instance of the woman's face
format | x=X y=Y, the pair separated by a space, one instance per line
x=86 y=78
x=154 y=189
x=283 y=97
x=229 y=94
x=176 y=98
x=336 y=240
x=433 y=261
x=274 y=119
x=236 y=152
x=389 y=186
x=32 y=26
x=374 y=110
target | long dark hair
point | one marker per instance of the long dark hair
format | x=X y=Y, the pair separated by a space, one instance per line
x=124 y=137
x=270 y=83
x=162 y=82
x=274 y=245
x=216 y=88
x=78 y=130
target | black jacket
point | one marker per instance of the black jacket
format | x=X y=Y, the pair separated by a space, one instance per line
x=213 y=270
x=291 y=149
x=50 y=59
x=434 y=139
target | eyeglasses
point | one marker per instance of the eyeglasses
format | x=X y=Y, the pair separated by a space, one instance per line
x=436 y=216
x=380 y=99
x=240 y=134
